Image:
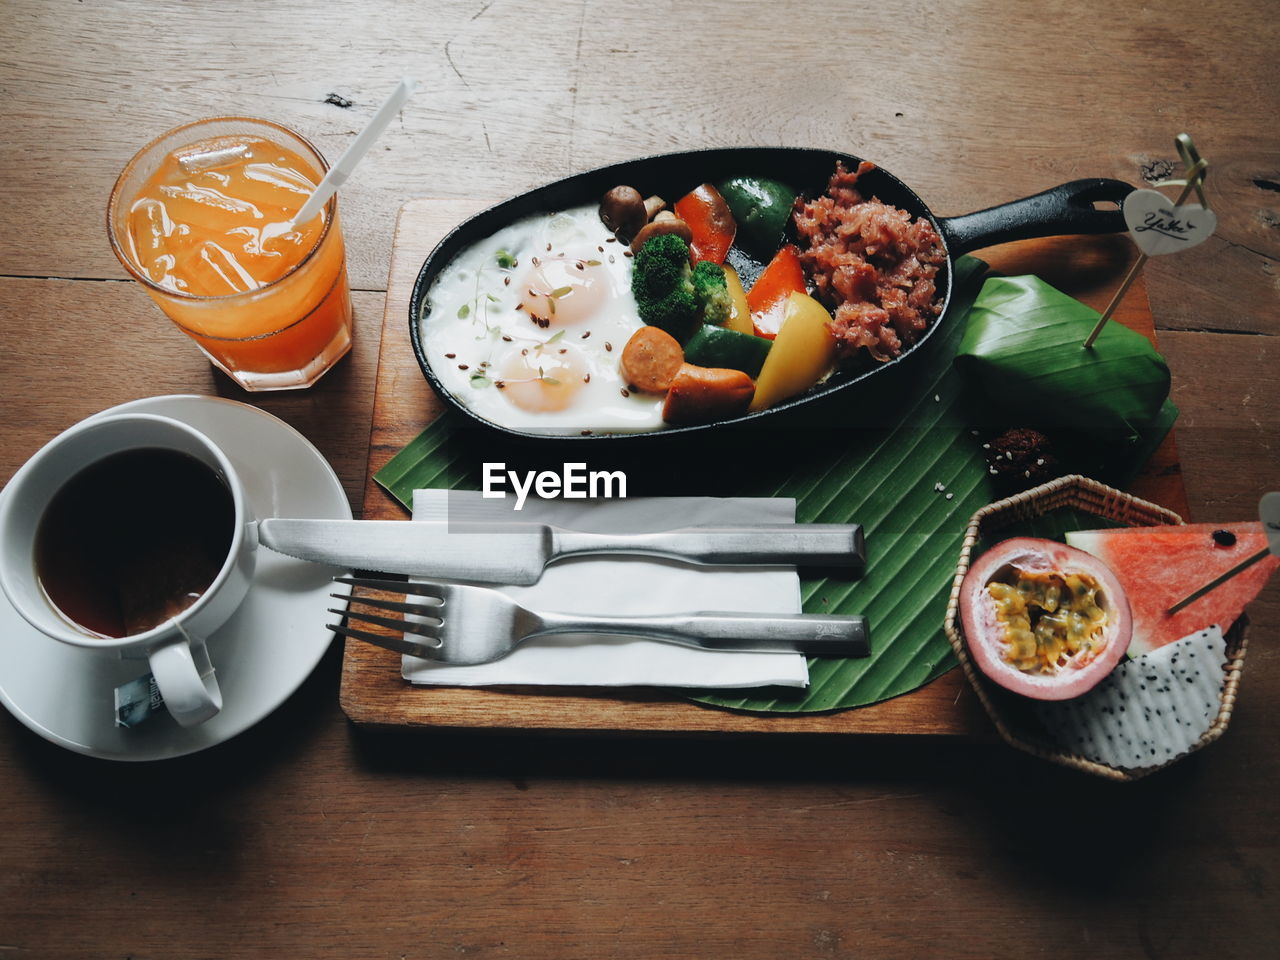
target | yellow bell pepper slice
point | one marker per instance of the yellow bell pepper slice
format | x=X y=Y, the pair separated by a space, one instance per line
x=802 y=354
x=740 y=314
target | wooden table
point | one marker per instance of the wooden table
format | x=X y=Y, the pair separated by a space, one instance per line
x=305 y=838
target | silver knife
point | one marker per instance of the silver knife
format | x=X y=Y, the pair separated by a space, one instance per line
x=515 y=553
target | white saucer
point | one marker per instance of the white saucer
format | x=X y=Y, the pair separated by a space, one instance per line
x=262 y=654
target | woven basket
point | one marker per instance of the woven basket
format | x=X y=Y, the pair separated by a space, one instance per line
x=1013 y=718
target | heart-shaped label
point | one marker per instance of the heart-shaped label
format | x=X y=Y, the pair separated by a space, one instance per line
x=1159 y=227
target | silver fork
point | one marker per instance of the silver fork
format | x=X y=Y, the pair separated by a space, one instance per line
x=463 y=624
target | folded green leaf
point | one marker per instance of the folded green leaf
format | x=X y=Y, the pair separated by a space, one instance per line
x=1024 y=346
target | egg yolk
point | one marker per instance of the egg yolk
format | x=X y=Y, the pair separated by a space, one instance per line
x=544 y=379
x=563 y=291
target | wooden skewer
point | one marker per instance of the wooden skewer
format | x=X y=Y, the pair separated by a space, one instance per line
x=1218 y=581
x=1192 y=184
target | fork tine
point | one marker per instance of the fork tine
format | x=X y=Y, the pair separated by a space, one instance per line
x=413 y=587
x=398 y=644
x=429 y=630
x=431 y=610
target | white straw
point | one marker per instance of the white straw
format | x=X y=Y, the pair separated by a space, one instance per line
x=339 y=172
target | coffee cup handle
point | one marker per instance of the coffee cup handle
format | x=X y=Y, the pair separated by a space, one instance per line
x=186 y=678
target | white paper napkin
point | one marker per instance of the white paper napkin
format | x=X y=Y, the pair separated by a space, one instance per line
x=625 y=586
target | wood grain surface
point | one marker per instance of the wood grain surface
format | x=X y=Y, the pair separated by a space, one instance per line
x=309 y=837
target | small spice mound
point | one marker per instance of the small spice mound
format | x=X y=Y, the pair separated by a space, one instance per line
x=1021 y=458
x=872 y=264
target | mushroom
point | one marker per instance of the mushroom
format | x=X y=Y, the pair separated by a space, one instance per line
x=663 y=223
x=653 y=206
x=623 y=211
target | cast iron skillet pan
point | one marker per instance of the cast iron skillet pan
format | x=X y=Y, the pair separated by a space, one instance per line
x=1066 y=209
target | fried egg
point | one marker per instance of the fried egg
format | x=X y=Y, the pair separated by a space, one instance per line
x=525 y=328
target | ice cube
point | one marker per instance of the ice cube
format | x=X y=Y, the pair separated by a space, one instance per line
x=206 y=207
x=213 y=155
x=149 y=228
x=213 y=271
x=292 y=183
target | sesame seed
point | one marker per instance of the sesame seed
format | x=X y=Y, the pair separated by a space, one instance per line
x=506 y=338
x=627 y=253
x=611 y=260
x=451 y=356
x=625 y=393
x=462 y=366
x=586 y=334
x=937 y=398
x=950 y=496
x=608 y=346
x=506 y=281
x=610 y=240
x=586 y=378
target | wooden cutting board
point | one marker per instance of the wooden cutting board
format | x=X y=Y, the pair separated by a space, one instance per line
x=373 y=694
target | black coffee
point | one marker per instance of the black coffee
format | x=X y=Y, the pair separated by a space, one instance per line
x=134 y=539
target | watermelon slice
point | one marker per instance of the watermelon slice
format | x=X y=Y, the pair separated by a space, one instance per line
x=1158 y=566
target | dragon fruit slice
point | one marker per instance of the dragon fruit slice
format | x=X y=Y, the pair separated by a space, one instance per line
x=1148 y=711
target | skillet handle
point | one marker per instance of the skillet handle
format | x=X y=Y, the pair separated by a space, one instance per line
x=1061 y=210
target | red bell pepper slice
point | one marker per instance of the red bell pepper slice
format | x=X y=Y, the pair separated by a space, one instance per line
x=711 y=222
x=767 y=298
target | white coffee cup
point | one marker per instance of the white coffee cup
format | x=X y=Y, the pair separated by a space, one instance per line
x=176 y=649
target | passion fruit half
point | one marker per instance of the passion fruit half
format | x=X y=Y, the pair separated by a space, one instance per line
x=1043 y=619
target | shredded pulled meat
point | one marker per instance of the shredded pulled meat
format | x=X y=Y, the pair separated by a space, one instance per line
x=872 y=264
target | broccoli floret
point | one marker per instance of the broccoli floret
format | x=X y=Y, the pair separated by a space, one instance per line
x=712 y=292
x=663 y=288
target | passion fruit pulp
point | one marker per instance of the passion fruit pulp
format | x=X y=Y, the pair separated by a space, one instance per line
x=1043 y=619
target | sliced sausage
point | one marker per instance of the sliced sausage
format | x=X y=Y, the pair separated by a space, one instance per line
x=706 y=394
x=651 y=359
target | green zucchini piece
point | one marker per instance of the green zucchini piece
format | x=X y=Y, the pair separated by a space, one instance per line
x=761 y=207
x=714 y=346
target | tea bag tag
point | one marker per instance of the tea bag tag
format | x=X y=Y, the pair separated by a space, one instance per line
x=137 y=700
x=1159 y=226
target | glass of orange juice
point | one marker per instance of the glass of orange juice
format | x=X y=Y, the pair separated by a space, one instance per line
x=202 y=218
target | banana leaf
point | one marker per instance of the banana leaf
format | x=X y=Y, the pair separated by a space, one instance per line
x=1023 y=346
